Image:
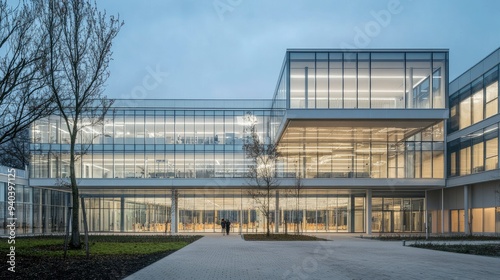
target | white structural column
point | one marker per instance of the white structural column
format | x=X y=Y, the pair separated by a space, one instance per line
x=174 y=212
x=277 y=213
x=442 y=210
x=122 y=214
x=426 y=218
x=369 y=212
x=466 y=210
x=241 y=212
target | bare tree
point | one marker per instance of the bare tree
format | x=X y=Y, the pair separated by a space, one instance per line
x=79 y=37
x=262 y=169
x=293 y=194
x=16 y=153
x=23 y=92
x=297 y=192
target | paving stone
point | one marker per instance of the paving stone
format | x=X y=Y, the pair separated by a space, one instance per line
x=347 y=257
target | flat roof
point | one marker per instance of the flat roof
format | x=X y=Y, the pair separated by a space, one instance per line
x=366 y=50
x=475 y=71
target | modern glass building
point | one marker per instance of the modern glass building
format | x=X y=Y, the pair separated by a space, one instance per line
x=365 y=130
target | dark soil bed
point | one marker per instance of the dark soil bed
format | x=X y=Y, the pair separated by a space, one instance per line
x=480 y=249
x=280 y=237
x=97 y=267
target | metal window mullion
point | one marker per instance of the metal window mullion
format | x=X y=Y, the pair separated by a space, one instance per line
x=328 y=79
x=404 y=81
x=306 y=87
x=370 y=80
x=315 y=81
x=343 y=81
x=357 y=81
x=431 y=87
x=287 y=69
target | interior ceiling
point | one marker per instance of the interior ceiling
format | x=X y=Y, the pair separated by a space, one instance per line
x=351 y=131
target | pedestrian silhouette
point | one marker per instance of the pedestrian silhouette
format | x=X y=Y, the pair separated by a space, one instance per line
x=228 y=225
x=223 y=226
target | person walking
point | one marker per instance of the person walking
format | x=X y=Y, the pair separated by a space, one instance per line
x=228 y=225
x=223 y=226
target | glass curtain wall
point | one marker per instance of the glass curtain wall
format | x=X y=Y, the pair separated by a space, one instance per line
x=152 y=144
x=475 y=102
x=202 y=211
x=474 y=153
x=367 y=79
x=208 y=144
x=363 y=152
x=36 y=210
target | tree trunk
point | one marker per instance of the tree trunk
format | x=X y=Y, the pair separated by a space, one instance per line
x=268 y=222
x=75 y=231
x=297 y=213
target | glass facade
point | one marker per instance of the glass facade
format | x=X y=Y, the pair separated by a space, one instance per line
x=366 y=79
x=209 y=144
x=36 y=210
x=474 y=153
x=201 y=210
x=151 y=143
x=369 y=150
x=472 y=104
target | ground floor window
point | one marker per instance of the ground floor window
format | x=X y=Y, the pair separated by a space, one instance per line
x=398 y=214
x=201 y=210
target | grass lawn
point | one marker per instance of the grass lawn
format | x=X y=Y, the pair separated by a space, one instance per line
x=280 y=237
x=99 y=245
x=111 y=257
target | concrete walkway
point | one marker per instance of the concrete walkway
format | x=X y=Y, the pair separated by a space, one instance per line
x=230 y=257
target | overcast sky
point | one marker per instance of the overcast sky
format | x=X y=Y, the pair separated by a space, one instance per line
x=235 y=48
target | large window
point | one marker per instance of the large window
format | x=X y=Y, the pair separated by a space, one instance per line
x=453 y=164
x=478 y=158
x=491 y=154
x=483 y=220
x=465 y=112
x=465 y=163
x=492 y=99
x=477 y=106
x=302 y=72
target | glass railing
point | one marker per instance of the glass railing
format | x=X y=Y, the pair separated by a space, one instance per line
x=206 y=104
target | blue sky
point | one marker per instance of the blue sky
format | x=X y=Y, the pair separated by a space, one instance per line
x=234 y=48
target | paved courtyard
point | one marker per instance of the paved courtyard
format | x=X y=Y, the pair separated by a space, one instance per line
x=347 y=257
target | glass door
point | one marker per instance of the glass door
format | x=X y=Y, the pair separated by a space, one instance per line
x=377 y=221
x=387 y=225
x=397 y=221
